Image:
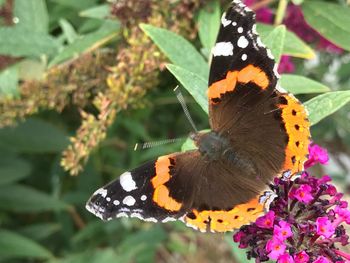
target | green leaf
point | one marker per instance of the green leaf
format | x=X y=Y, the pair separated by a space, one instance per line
x=39 y=231
x=23 y=199
x=31 y=69
x=180 y=52
x=68 y=30
x=324 y=105
x=100 y=256
x=12 y=169
x=142 y=238
x=330 y=20
x=88 y=42
x=9 y=82
x=2 y=2
x=99 y=12
x=32 y=15
x=33 y=136
x=275 y=41
x=13 y=245
x=188 y=145
x=293 y=45
x=18 y=42
x=301 y=85
x=196 y=85
x=209 y=24
x=76 y=4
x=297 y=2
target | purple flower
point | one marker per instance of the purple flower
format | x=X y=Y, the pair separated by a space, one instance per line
x=286 y=65
x=295 y=22
x=301 y=257
x=321 y=259
x=317 y=154
x=343 y=215
x=303 y=194
x=285 y=258
x=324 y=227
x=276 y=248
x=307 y=224
x=282 y=231
x=267 y=220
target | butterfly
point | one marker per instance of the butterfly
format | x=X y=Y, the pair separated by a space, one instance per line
x=258 y=132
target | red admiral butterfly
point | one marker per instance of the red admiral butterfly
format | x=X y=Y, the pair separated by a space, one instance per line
x=258 y=132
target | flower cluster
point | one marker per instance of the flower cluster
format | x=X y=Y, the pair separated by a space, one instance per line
x=305 y=222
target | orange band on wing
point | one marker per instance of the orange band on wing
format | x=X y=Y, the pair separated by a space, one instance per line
x=161 y=193
x=222 y=221
x=297 y=126
x=248 y=74
x=253 y=74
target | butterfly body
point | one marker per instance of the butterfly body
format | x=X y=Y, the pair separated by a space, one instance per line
x=258 y=132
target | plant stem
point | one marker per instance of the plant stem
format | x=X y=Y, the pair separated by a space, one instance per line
x=281 y=10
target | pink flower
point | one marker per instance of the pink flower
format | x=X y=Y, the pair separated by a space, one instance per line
x=317 y=155
x=324 y=227
x=301 y=257
x=283 y=231
x=322 y=259
x=343 y=215
x=286 y=65
x=285 y=258
x=303 y=194
x=266 y=221
x=276 y=248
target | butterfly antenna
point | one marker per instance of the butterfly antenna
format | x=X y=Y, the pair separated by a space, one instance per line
x=181 y=99
x=147 y=145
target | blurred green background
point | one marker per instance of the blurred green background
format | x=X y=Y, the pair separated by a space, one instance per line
x=81 y=82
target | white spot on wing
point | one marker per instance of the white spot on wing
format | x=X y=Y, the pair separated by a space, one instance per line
x=280 y=89
x=240 y=30
x=244 y=57
x=234 y=23
x=137 y=215
x=150 y=219
x=275 y=70
x=102 y=192
x=269 y=54
x=127 y=182
x=242 y=42
x=254 y=29
x=116 y=202
x=96 y=210
x=223 y=49
x=225 y=22
x=267 y=198
x=108 y=199
x=143 y=198
x=168 y=219
x=260 y=44
x=129 y=200
x=122 y=214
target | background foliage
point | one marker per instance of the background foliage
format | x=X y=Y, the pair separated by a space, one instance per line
x=82 y=81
